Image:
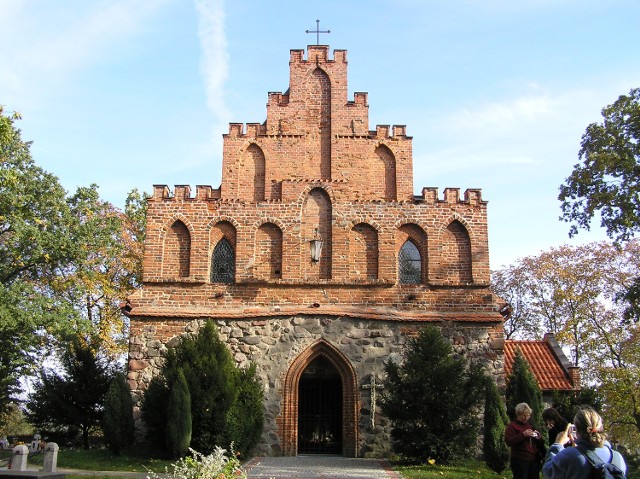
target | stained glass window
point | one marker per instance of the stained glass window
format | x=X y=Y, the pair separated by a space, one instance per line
x=409 y=264
x=223 y=263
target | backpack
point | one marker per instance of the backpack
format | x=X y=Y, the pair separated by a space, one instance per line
x=599 y=469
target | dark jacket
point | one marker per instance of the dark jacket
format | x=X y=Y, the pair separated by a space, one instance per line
x=523 y=447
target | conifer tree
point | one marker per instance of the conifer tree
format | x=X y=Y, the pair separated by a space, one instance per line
x=118 y=425
x=432 y=400
x=496 y=453
x=246 y=417
x=178 y=428
x=523 y=387
x=226 y=402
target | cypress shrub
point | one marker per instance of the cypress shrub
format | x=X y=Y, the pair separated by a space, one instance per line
x=226 y=402
x=523 y=387
x=246 y=416
x=178 y=428
x=118 y=424
x=496 y=453
x=154 y=412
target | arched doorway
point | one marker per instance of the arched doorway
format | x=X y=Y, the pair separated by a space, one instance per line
x=319 y=367
x=320 y=409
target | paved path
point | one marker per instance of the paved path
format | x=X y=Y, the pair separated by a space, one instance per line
x=333 y=467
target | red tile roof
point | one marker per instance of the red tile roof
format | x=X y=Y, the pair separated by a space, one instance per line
x=545 y=364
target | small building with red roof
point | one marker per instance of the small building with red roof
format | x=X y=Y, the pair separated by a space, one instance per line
x=549 y=365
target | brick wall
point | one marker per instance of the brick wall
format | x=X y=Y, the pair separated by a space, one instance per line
x=313 y=169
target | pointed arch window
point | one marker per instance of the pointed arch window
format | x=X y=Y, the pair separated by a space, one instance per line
x=409 y=264
x=223 y=263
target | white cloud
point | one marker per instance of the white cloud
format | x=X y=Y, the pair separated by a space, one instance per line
x=50 y=44
x=214 y=62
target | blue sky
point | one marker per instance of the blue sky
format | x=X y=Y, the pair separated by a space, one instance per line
x=496 y=93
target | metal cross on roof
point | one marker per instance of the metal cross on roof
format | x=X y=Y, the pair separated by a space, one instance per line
x=317 y=31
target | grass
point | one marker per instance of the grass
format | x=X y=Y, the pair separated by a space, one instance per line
x=477 y=469
x=460 y=470
x=103 y=460
x=99 y=460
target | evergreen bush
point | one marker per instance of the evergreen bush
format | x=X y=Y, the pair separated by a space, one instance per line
x=215 y=385
x=178 y=428
x=496 y=453
x=523 y=387
x=153 y=408
x=246 y=416
x=433 y=400
x=118 y=424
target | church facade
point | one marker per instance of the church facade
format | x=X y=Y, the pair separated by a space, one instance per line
x=317 y=262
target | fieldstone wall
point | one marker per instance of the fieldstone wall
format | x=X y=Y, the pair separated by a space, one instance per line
x=274 y=344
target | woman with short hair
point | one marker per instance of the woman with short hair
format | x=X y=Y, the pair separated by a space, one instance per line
x=526 y=443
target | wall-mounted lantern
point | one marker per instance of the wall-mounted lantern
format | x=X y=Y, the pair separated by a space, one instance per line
x=316 y=246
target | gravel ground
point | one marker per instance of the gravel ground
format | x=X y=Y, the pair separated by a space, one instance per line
x=334 y=467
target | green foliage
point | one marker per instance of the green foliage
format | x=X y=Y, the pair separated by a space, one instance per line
x=496 y=453
x=246 y=416
x=523 y=387
x=178 y=428
x=432 y=400
x=13 y=422
x=154 y=412
x=569 y=403
x=211 y=376
x=118 y=424
x=607 y=181
x=217 y=465
x=74 y=397
x=224 y=400
x=65 y=262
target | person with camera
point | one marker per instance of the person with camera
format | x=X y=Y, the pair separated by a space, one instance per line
x=555 y=423
x=591 y=450
x=526 y=443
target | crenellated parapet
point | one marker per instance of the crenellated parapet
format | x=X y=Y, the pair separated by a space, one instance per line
x=317 y=54
x=384 y=132
x=472 y=196
x=253 y=130
x=183 y=192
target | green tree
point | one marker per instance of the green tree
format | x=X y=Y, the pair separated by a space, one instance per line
x=496 y=453
x=74 y=397
x=118 y=423
x=66 y=262
x=523 y=387
x=219 y=393
x=579 y=293
x=245 y=419
x=36 y=240
x=432 y=400
x=178 y=428
x=608 y=179
x=153 y=409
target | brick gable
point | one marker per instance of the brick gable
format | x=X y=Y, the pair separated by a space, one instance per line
x=314 y=169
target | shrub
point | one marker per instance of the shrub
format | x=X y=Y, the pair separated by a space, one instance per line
x=496 y=453
x=153 y=408
x=178 y=429
x=118 y=425
x=432 y=400
x=246 y=416
x=523 y=387
x=215 y=384
x=216 y=465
